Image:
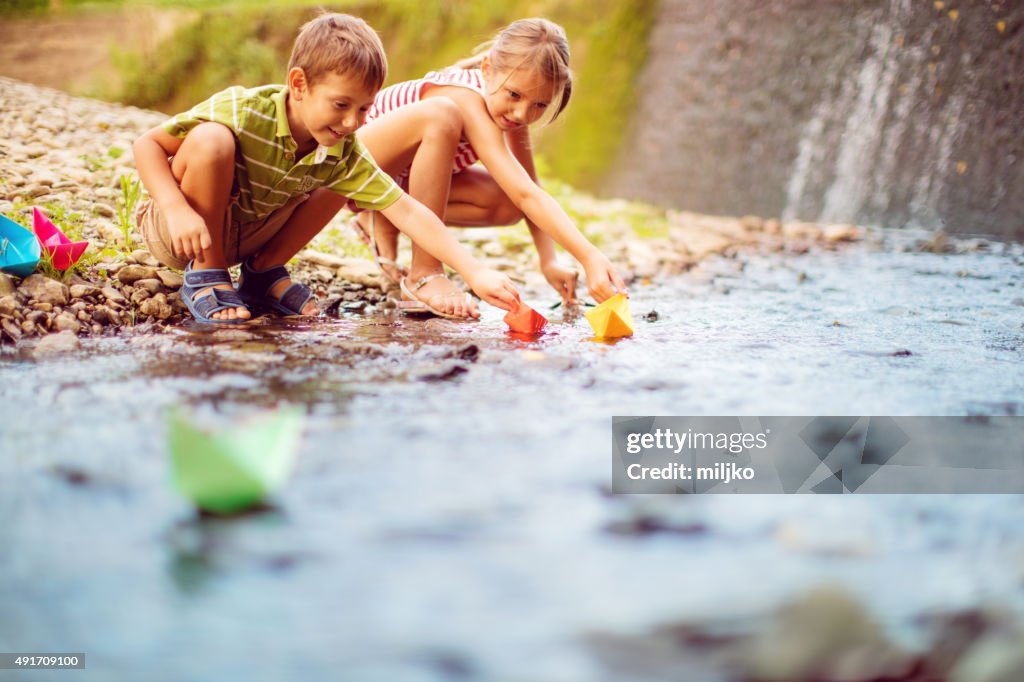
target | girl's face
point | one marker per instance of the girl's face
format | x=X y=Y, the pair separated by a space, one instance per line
x=515 y=98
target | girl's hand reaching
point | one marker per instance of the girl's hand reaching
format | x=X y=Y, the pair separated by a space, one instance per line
x=493 y=287
x=563 y=280
x=603 y=281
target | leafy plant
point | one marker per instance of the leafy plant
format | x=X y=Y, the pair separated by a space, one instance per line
x=131 y=190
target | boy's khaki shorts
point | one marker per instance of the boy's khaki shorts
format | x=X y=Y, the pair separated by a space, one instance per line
x=240 y=240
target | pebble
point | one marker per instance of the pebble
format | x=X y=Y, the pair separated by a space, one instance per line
x=170 y=279
x=53 y=344
x=44 y=290
x=67 y=321
x=130 y=274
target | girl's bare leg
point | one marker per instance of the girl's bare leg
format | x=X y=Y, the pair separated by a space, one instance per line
x=422 y=137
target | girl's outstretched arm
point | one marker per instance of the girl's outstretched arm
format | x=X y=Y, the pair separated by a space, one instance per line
x=563 y=279
x=537 y=205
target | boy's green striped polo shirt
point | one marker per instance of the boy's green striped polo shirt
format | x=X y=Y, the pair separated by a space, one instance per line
x=267 y=173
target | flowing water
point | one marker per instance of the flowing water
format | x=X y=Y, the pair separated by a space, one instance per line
x=449 y=516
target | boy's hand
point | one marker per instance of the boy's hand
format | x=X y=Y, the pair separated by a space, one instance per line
x=189 y=235
x=493 y=287
x=562 y=279
x=603 y=281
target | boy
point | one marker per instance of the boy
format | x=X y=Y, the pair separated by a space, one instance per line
x=257 y=173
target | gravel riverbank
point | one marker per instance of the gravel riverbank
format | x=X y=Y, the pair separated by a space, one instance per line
x=67 y=155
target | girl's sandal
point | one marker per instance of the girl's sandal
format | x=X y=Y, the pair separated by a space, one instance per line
x=411 y=303
x=254 y=287
x=370 y=239
x=202 y=307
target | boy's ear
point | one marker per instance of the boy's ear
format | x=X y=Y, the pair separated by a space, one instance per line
x=485 y=65
x=297 y=84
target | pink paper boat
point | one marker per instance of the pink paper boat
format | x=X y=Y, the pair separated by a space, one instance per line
x=62 y=250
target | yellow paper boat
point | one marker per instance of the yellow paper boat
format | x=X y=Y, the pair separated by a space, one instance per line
x=611 y=319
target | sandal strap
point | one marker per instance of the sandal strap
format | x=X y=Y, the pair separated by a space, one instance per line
x=424 y=281
x=260 y=282
x=217 y=300
x=200 y=279
x=296 y=297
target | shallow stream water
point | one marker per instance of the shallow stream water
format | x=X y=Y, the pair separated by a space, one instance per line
x=449 y=515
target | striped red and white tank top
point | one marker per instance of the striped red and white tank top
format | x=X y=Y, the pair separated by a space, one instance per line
x=401 y=94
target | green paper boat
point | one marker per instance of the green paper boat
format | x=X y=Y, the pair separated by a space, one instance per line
x=238 y=466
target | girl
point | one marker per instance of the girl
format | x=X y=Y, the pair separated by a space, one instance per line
x=428 y=133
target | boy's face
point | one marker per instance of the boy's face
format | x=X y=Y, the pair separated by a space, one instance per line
x=331 y=109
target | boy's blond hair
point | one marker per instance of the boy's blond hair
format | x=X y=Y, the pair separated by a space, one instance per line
x=339 y=43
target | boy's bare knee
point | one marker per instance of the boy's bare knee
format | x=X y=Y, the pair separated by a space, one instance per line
x=211 y=142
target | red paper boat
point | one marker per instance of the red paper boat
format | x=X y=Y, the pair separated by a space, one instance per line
x=524 y=319
x=62 y=250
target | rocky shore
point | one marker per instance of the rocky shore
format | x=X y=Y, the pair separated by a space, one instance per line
x=67 y=155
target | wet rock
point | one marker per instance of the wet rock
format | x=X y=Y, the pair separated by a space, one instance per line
x=11 y=330
x=170 y=279
x=113 y=295
x=440 y=372
x=153 y=286
x=44 y=290
x=54 y=344
x=83 y=290
x=840 y=233
x=156 y=306
x=824 y=635
x=469 y=353
x=651 y=316
x=6 y=285
x=8 y=304
x=144 y=257
x=67 y=321
x=130 y=274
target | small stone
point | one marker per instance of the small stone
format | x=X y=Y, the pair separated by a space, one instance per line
x=67 y=322
x=104 y=211
x=113 y=294
x=6 y=285
x=83 y=290
x=153 y=286
x=12 y=330
x=8 y=304
x=773 y=226
x=144 y=257
x=45 y=307
x=840 y=233
x=52 y=344
x=170 y=279
x=44 y=290
x=140 y=295
x=157 y=307
x=130 y=274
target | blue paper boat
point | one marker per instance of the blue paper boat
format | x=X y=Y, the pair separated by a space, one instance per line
x=19 y=248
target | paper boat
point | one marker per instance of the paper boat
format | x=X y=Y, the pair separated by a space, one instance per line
x=238 y=466
x=19 y=248
x=611 y=319
x=524 y=319
x=62 y=250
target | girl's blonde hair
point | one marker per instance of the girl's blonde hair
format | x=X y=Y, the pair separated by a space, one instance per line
x=533 y=44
